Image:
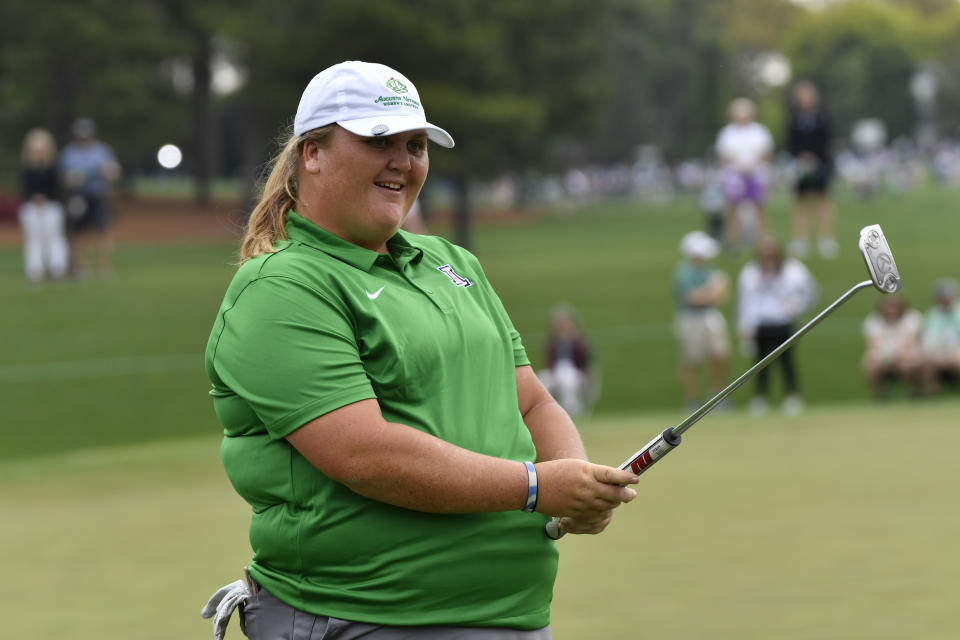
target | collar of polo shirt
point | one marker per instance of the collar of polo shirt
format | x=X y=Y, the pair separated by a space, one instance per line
x=299 y=229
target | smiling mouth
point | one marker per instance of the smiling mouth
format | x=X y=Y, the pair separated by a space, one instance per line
x=392 y=186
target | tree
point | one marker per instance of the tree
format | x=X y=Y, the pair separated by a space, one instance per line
x=676 y=66
x=190 y=23
x=947 y=59
x=862 y=55
x=504 y=89
x=92 y=58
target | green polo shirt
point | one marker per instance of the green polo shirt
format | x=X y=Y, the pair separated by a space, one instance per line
x=322 y=323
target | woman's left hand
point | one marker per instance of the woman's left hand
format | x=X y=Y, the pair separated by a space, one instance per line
x=591 y=526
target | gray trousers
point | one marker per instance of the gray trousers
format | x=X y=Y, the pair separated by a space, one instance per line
x=263 y=617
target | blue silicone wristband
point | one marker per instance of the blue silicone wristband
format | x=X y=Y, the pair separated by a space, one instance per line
x=531 y=505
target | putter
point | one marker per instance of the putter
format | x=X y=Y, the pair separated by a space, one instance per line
x=883 y=275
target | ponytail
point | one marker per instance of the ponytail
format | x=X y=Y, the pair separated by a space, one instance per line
x=267 y=222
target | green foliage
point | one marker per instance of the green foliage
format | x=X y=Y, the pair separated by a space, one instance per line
x=862 y=55
x=497 y=84
x=947 y=64
x=544 y=85
x=94 y=58
x=676 y=66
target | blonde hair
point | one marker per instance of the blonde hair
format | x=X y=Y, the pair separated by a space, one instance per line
x=39 y=148
x=278 y=196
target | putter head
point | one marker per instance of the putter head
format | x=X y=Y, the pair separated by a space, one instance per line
x=876 y=253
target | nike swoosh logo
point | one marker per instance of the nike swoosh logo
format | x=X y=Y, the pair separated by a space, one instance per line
x=373 y=296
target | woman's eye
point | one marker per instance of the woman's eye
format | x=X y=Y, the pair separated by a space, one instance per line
x=417 y=146
x=377 y=142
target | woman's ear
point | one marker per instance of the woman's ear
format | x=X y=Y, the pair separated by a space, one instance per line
x=312 y=156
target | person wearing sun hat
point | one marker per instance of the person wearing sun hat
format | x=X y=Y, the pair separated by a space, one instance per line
x=701 y=330
x=380 y=414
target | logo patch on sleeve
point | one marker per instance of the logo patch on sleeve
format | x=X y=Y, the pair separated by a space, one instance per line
x=455 y=278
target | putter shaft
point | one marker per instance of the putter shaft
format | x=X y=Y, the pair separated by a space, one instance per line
x=694 y=417
x=670 y=439
x=884 y=276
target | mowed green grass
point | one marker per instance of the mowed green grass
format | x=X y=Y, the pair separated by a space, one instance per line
x=107 y=362
x=839 y=524
x=614 y=263
x=111 y=361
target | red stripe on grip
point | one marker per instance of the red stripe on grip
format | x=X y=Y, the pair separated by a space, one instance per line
x=642 y=462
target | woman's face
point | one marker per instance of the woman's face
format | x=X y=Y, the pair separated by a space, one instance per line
x=805 y=96
x=769 y=257
x=40 y=151
x=361 y=189
x=891 y=309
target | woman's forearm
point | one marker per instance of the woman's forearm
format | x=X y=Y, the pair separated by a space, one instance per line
x=403 y=466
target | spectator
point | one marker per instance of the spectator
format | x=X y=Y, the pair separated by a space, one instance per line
x=41 y=214
x=713 y=203
x=940 y=340
x=892 y=334
x=773 y=292
x=700 y=326
x=808 y=141
x=568 y=377
x=87 y=168
x=744 y=148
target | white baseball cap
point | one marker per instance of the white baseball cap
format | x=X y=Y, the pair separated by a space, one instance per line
x=367 y=99
x=697 y=244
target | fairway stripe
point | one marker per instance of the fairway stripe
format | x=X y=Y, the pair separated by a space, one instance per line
x=101 y=367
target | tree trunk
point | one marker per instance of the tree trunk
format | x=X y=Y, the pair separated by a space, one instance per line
x=462 y=211
x=204 y=135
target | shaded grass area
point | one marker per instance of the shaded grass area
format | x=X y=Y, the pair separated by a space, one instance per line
x=120 y=360
x=838 y=524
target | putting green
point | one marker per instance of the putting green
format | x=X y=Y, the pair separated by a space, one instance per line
x=840 y=523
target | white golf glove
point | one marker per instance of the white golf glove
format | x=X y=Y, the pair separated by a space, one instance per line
x=222 y=604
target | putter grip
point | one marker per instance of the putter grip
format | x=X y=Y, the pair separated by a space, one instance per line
x=638 y=463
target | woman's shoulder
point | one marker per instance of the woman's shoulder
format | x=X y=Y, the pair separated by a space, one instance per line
x=271 y=269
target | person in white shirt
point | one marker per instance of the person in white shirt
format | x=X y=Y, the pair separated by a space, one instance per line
x=773 y=291
x=745 y=148
x=892 y=333
x=940 y=337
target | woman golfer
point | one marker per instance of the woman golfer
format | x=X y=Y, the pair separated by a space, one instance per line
x=380 y=414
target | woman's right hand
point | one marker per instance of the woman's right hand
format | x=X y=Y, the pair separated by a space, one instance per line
x=582 y=492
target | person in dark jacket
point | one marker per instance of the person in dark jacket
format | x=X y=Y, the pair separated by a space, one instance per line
x=808 y=142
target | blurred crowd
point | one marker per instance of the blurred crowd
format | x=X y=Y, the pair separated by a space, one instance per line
x=774 y=289
x=863 y=160
x=917 y=352
x=65 y=202
x=64 y=212
x=921 y=352
x=772 y=292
